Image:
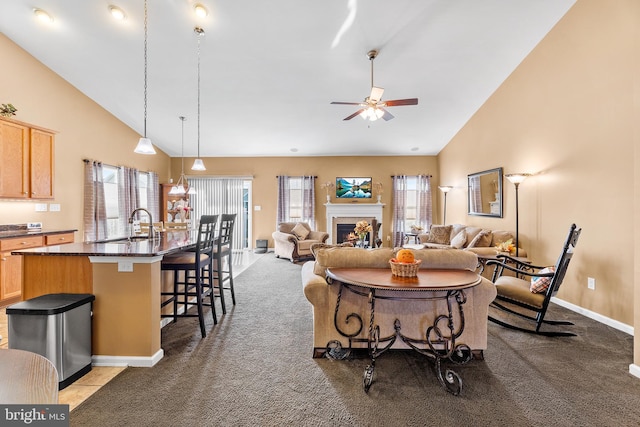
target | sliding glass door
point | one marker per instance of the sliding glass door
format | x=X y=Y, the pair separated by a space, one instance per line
x=225 y=195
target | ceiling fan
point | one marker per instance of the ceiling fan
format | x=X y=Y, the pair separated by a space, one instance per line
x=373 y=107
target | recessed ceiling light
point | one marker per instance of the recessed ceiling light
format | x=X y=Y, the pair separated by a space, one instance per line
x=43 y=16
x=200 y=10
x=117 y=13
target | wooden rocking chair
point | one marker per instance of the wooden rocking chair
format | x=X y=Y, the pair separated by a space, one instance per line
x=516 y=291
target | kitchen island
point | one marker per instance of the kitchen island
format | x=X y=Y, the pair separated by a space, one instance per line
x=126 y=278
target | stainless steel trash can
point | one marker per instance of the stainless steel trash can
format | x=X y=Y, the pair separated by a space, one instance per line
x=58 y=327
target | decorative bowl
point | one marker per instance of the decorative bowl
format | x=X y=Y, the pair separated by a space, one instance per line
x=403 y=269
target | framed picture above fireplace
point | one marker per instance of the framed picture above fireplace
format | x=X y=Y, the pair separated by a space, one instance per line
x=353 y=188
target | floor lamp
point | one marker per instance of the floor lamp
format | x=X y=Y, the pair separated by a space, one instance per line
x=445 y=189
x=517 y=179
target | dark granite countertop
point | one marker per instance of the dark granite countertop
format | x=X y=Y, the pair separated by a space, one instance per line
x=165 y=243
x=7 y=234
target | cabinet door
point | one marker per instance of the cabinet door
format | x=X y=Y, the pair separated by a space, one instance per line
x=42 y=154
x=14 y=160
x=10 y=275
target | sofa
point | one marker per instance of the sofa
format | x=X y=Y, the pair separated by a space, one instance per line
x=416 y=316
x=293 y=240
x=480 y=241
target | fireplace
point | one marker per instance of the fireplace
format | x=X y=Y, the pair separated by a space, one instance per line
x=344 y=229
x=347 y=214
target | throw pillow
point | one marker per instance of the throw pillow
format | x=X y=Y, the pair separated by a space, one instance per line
x=459 y=240
x=440 y=234
x=541 y=284
x=300 y=231
x=482 y=240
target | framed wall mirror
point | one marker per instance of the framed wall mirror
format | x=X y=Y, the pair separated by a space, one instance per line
x=485 y=193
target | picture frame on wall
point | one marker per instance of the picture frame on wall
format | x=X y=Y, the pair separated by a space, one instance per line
x=353 y=187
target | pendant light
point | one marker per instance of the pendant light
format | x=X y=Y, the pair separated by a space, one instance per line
x=144 y=144
x=181 y=186
x=198 y=165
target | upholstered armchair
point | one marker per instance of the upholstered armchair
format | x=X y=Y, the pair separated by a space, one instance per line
x=293 y=240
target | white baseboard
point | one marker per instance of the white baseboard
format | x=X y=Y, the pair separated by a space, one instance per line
x=595 y=316
x=135 y=361
x=634 y=370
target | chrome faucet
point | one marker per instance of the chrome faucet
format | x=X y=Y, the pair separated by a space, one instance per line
x=151 y=235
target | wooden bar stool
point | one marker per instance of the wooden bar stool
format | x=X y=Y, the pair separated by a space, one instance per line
x=222 y=251
x=197 y=278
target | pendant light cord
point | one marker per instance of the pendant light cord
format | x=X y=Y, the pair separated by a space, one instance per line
x=145 y=68
x=199 y=31
x=182 y=118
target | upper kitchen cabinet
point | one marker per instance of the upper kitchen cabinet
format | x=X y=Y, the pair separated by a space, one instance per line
x=26 y=161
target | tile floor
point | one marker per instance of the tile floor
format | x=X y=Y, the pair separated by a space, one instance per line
x=84 y=387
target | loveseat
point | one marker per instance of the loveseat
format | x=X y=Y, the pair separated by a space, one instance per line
x=416 y=316
x=473 y=239
x=293 y=240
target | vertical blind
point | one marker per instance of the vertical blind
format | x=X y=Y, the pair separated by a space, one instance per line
x=215 y=196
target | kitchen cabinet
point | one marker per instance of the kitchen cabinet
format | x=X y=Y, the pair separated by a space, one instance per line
x=11 y=265
x=170 y=204
x=26 y=161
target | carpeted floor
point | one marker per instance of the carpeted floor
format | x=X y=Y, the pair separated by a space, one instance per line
x=255 y=369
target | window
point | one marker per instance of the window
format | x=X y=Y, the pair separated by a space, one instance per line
x=110 y=194
x=412 y=204
x=111 y=203
x=296 y=199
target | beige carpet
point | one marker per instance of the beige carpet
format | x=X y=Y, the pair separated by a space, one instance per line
x=255 y=369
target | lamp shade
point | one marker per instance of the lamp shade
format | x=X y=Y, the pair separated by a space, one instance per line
x=145 y=147
x=517 y=178
x=198 y=165
x=445 y=188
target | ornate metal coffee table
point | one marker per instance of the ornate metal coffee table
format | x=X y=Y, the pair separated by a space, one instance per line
x=439 y=341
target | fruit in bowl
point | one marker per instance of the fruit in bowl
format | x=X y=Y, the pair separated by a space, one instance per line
x=405 y=256
x=405 y=264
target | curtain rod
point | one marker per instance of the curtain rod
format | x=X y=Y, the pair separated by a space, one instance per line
x=294 y=176
x=394 y=176
x=220 y=176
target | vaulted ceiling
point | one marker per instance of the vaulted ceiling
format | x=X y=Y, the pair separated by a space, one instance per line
x=269 y=69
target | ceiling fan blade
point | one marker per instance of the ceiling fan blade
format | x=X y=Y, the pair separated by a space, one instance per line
x=398 y=102
x=376 y=94
x=357 y=113
x=346 y=103
x=387 y=115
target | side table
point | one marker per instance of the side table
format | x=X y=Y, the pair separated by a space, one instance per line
x=439 y=341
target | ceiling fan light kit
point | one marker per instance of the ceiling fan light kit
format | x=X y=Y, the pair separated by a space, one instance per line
x=373 y=108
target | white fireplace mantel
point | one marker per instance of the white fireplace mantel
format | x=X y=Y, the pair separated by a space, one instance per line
x=352 y=210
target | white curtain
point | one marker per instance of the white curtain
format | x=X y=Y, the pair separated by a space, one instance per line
x=282 y=214
x=153 y=195
x=399 y=209
x=309 y=201
x=424 y=204
x=215 y=196
x=128 y=197
x=95 y=212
